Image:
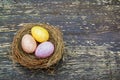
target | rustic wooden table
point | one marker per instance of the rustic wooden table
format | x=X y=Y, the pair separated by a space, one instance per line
x=91 y=32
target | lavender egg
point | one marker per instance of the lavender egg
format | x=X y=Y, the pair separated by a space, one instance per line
x=44 y=50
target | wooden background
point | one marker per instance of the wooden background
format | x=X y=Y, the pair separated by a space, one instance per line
x=91 y=32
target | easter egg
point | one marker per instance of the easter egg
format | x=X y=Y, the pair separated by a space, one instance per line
x=44 y=50
x=40 y=34
x=28 y=43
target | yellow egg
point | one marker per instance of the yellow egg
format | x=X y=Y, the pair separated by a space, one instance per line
x=40 y=34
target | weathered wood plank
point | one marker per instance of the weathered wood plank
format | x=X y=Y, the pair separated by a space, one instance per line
x=91 y=32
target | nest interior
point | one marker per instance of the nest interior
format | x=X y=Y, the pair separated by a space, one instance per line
x=29 y=60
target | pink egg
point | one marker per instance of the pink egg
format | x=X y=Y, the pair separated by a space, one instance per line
x=28 y=43
x=44 y=50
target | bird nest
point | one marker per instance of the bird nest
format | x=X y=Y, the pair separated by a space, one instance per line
x=29 y=60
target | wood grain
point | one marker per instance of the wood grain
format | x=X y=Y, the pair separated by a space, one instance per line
x=91 y=32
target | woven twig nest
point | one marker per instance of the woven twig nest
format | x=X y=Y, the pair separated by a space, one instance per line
x=29 y=60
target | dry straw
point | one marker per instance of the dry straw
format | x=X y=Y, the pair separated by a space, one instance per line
x=29 y=60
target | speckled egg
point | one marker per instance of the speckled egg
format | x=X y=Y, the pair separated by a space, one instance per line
x=28 y=43
x=44 y=50
x=40 y=34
